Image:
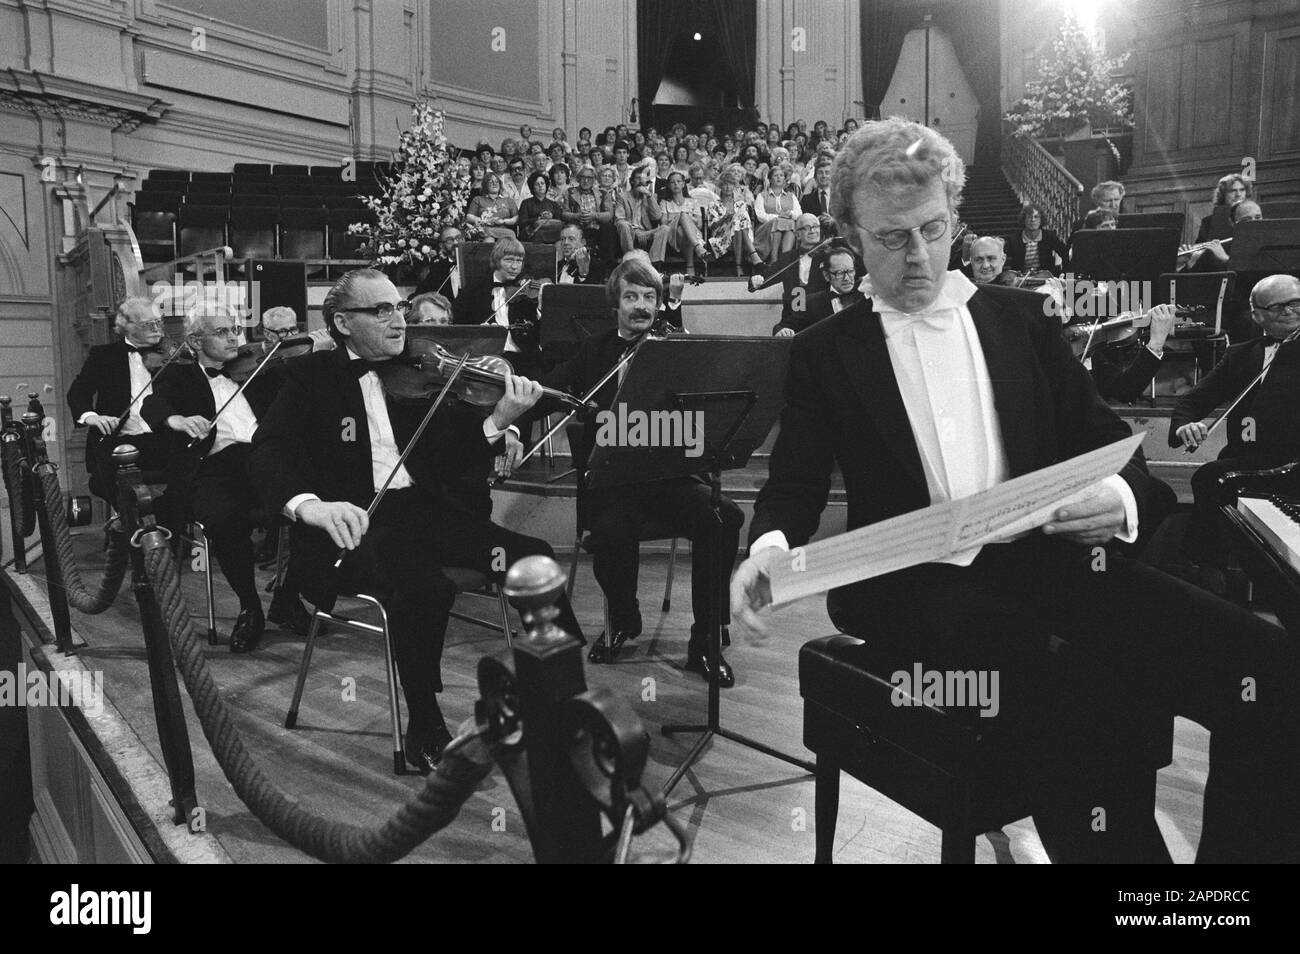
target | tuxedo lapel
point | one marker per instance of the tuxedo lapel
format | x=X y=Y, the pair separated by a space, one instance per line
x=1005 y=357
x=355 y=445
x=864 y=357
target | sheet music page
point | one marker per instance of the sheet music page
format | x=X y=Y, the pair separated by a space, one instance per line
x=940 y=531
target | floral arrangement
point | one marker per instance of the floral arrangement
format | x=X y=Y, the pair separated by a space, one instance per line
x=425 y=192
x=1073 y=87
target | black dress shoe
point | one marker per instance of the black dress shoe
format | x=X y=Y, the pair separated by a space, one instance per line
x=249 y=626
x=600 y=653
x=697 y=660
x=424 y=749
x=287 y=612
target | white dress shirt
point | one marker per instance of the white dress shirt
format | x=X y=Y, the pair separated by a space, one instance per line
x=141 y=385
x=945 y=385
x=236 y=423
x=501 y=312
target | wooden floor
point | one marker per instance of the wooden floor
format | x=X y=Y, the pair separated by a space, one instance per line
x=741 y=806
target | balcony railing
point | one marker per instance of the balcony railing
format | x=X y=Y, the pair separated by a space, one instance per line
x=1038 y=178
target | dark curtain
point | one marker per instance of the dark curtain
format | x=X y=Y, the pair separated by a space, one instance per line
x=656 y=22
x=971 y=25
x=737 y=24
x=884 y=24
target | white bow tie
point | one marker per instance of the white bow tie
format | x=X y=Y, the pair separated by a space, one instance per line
x=957 y=291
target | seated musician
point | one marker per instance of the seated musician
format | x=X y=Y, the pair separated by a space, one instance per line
x=443 y=275
x=935 y=389
x=1213 y=256
x=795 y=271
x=1228 y=191
x=280 y=323
x=100 y=396
x=429 y=308
x=1107 y=196
x=1262 y=431
x=326 y=446
x=988 y=259
x=839 y=267
x=1035 y=248
x=576 y=262
x=211 y=473
x=505 y=302
x=615 y=514
x=670 y=309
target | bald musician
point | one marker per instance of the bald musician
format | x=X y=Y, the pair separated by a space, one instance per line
x=935 y=389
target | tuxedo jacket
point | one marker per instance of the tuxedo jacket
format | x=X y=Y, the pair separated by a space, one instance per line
x=314 y=439
x=817 y=305
x=1271 y=404
x=1050 y=243
x=474 y=307
x=437 y=279
x=843 y=406
x=1121 y=378
x=790 y=281
x=103 y=385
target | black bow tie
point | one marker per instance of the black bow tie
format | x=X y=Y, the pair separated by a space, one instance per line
x=216 y=372
x=150 y=349
x=361 y=367
x=514 y=284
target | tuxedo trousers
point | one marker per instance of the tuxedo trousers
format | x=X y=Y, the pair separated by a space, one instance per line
x=1132 y=633
x=412 y=537
x=222 y=498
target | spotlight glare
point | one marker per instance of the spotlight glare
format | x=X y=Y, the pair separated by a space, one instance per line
x=698 y=37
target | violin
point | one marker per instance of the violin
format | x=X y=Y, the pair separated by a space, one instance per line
x=165 y=352
x=424 y=367
x=1035 y=279
x=253 y=354
x=1084 y=339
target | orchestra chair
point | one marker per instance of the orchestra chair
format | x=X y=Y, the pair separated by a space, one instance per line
x=199 y=538
x=583 y=539
x=944 y=765
x=465 y=580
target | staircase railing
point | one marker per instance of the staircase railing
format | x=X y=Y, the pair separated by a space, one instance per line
x=1038 y=178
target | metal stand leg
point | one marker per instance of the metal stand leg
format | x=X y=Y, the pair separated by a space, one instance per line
x=668 y=585
x=200 y=534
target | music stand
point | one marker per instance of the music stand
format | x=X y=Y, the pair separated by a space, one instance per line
x=459 y=339
x=1266 y=245
x=1117 y=255
x=738 y=386
x=1152 y=220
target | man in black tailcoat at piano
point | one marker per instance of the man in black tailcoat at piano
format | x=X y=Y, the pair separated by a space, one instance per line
x=100 y=394
x=616 y=514
x=1262 y=431
x=934 y=390
x=328 y=443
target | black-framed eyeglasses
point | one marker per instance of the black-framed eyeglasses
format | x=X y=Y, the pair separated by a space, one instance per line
x=223 y=333
x=895 y=239
x=1279 y=307
x=385 y=310
x=279 y=334
x=842 y=273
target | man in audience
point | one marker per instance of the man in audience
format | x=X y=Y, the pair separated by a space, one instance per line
x=515 y=185
x=638 y=219
x=622 y=171
x=591 y=212
x=817 y=199
x=794 y=269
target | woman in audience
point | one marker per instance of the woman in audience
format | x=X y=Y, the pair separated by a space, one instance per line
x=776 y=210
x=494 y=213
x=730 y=228
x=682 y=158
x=681 y=214
x=560 y=178
x=540 y=218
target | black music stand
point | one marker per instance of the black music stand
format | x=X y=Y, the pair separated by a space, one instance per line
x=738 y=383
x=1120 y=255
x=1152 y=220
x=458 y=339
x=1266 y=245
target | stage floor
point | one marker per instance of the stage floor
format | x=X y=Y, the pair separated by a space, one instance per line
x=742 y=807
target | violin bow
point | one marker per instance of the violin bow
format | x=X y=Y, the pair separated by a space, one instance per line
x=121 y=421
x=785 y=268
x=240 y=390
x=410 y=446
x=1192 y=448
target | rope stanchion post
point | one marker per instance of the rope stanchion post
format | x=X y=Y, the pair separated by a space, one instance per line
x=135 y=503
x=565 y=827
x=54 y=585
x=11 y=454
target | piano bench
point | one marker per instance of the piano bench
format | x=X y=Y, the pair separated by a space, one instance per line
x=954 y=769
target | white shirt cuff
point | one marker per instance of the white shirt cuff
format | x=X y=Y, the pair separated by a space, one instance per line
x=82 y=420
x=1160 y=355
x=291 y=508
x=773 y=538
x=1129 y=533
x=490 y=430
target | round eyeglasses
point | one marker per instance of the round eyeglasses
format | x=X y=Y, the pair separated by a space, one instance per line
x=895 y=239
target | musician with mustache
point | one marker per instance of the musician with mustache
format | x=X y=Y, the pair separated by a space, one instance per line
x=99 y=396
x=614 y=515
x=935 y=389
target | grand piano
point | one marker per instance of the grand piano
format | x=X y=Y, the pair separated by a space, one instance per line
x=1261 y=511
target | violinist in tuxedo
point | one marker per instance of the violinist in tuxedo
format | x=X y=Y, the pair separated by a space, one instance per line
x=796 y=272
x=934 y=389
x=577 y=265
x=1263 y=430
x=210 y=475
x=100 y=396
x=614 y=515
x=331 y=439
x=839 y=269
x=505 y=302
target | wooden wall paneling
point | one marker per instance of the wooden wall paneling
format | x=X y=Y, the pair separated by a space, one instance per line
x=1280 y=115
